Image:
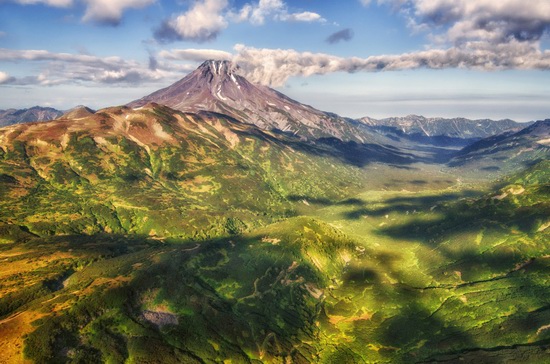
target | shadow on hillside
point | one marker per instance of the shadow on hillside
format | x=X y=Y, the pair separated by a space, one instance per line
x=407 y=205
x=325 y=201
x=360 y=155
x=488 y=212
x=226 y=290
x=245 y=294
x=453 y=326
x=350 y=152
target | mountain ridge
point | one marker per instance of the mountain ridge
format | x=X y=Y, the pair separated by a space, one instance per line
x=424 y=128
x=32 y=114
x=510 y=151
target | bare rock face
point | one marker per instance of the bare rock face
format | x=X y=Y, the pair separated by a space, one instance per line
x=160 y=319
x=216 y=86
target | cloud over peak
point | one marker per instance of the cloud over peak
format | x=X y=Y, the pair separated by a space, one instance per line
x=274 y=67
x=195 y=55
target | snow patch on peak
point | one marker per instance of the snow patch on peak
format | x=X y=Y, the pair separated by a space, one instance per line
x=219 y=68
x=235 y=80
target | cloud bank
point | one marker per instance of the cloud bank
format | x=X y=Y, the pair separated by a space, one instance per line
x=485 y=35
x=275 y=66
x=272 y=67
x=66 y=68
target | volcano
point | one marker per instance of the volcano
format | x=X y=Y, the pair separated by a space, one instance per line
x=217 y=86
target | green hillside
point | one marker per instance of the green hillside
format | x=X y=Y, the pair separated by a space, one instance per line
x=158 y=172
x=153 y=236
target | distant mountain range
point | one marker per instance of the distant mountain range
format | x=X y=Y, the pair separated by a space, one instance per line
x=39 y=113
x=455 y=131
x=36 y=113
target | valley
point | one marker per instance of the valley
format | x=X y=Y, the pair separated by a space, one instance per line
x=150 y=234
x=417 y=271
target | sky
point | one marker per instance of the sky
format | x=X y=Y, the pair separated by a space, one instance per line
x=377 y=58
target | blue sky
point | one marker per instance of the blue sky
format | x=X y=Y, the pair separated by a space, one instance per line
x=378 y=58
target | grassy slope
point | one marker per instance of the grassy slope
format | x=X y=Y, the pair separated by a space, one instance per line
x=156 y=172
x=442 y=280
x=420 y=269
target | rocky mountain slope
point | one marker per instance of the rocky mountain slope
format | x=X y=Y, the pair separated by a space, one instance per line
x=36 y=113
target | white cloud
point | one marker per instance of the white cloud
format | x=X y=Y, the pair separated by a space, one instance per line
x=306 y=16
x=257 y=13
x=4 y=77
x=274 y=67
x=196 y=55
x=201 y=23
x=56 y=3
x=365 y=2
x=101 y=11
x=271 y=67
x=110 y=11
x=495 y=21
x=264 y=9
x=65 y=68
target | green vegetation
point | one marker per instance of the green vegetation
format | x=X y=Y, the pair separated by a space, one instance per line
x=216 y=242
